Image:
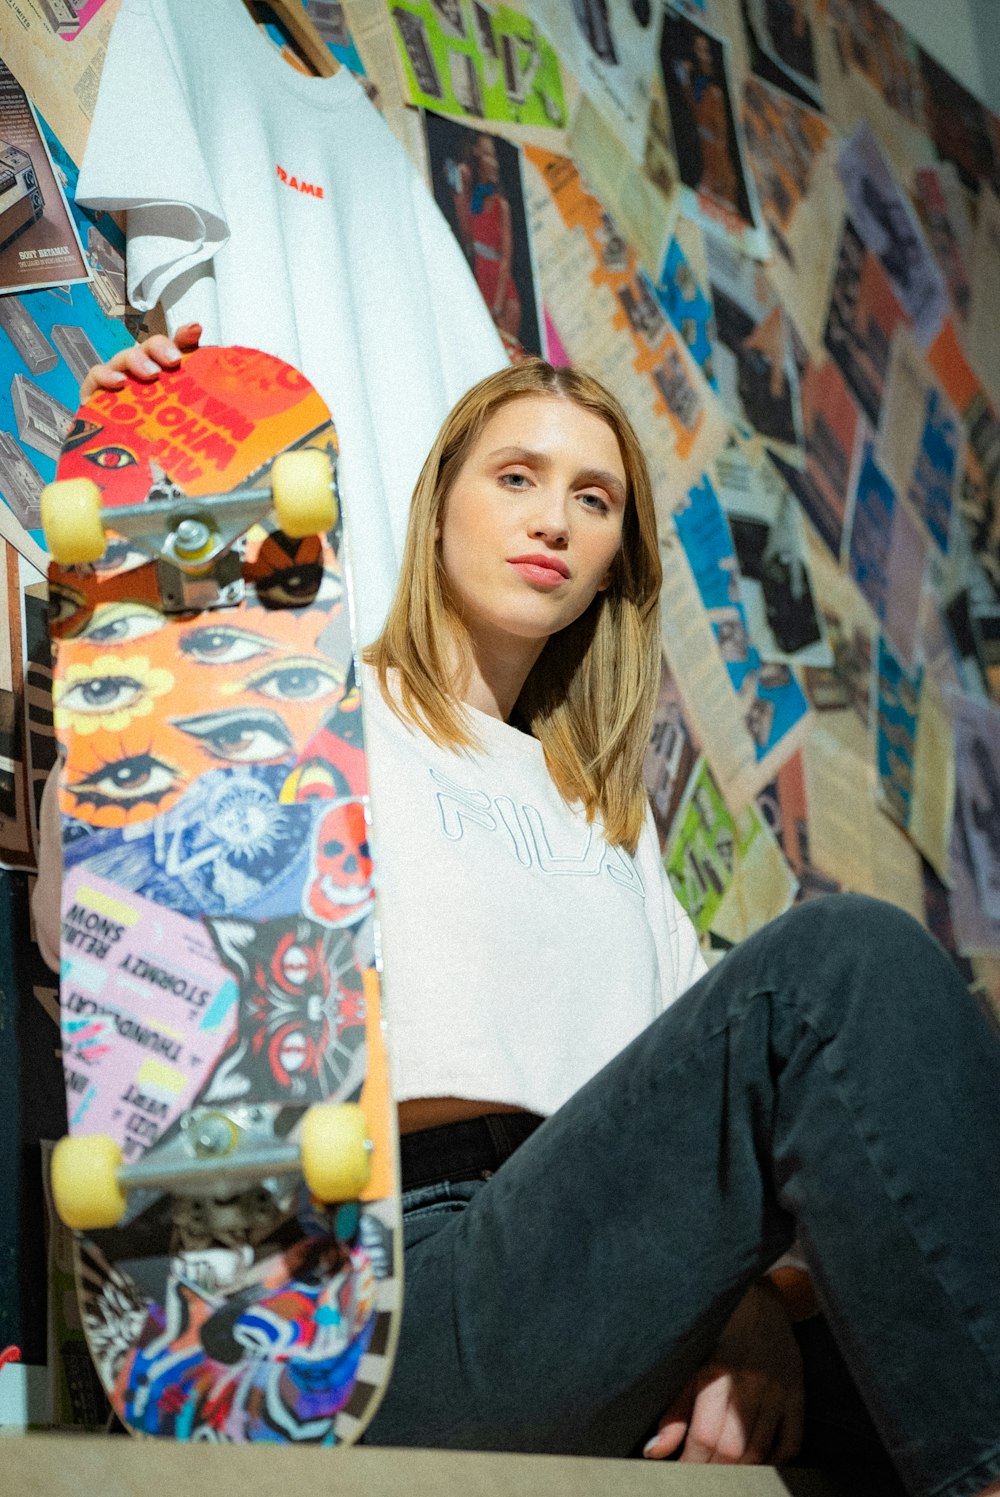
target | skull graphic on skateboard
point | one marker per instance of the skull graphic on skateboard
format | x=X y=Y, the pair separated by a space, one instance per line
x=230 y=1166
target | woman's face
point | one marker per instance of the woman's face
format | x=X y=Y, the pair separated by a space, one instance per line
x=487 y=162
x=533 y=521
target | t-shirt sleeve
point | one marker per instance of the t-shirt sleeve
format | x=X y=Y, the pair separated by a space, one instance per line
x=47 y=894
x=689 y=964
x=681 y=961
x=143 y=157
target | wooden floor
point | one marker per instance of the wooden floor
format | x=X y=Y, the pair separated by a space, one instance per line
x=52 y=1465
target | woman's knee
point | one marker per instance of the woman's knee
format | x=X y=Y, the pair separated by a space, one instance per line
x=854 y=952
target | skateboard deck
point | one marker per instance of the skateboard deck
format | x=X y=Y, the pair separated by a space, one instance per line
x=218 y=984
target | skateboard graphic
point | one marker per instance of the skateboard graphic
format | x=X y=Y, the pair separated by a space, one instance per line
x=230 y=1168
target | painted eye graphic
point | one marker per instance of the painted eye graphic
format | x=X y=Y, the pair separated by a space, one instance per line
x=116 y=623
x=111 y=458
x=220 y=644
x=303 y=680
x=101 y=694
x=65 y=605
x=240 y=737
x=292 y=586
x=126 y=782
x=108 y=692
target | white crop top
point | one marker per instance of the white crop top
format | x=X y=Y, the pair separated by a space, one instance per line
x=521 y=952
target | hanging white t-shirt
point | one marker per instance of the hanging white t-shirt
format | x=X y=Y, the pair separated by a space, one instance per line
x=521 y=951
x=280 y=212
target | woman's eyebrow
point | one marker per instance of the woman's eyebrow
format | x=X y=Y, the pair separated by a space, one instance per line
x=602 y=476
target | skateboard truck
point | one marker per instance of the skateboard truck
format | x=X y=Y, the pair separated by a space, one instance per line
x=192 y=540
x=217 y=1151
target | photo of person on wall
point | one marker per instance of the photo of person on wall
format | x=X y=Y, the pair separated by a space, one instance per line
x=477 y=184
x=701 y=114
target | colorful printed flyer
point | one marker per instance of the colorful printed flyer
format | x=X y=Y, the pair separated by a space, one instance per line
x=490 y=62
x=39 y=245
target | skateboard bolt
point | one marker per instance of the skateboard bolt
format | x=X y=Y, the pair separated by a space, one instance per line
x=192 y=539
x=214 y=1135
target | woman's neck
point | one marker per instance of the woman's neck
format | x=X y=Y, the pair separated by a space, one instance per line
x=489 y=676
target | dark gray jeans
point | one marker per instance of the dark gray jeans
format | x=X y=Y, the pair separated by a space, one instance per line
x=830 y=1079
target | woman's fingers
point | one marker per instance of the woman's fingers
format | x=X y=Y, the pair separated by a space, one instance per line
x=143 y=361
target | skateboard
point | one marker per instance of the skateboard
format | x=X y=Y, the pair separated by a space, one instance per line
x=230 y=1170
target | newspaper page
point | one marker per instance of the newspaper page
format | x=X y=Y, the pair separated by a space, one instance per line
x=776 y=591
x=790 y=149
x=39 y=245
x=644 y=213
x=887 y=555
x=689 y=307
x=920 y=439
x=959 y=125
x=984 y=275
x=868 y=68
x=782 y=31
x=670 y=756
x=477 y=183
x=611 y=47
x=610 y=320
x=977 y=754
x=914 y=757
x=703 y=132
x=785 y=806
x=749 y=713
x=831 y=426
x=948 y=230
x=754 y=363
x=707 y=843
x=887 y=223
x=490 y=62
x=863 y=317
x=762 y=885
x=58 y=65
x=842 y=812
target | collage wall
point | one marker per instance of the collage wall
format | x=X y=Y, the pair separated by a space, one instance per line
x=772 y=227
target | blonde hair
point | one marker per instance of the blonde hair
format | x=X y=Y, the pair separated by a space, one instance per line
x=589 y=697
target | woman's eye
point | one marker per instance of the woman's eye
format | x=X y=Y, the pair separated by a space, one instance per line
x=594 y=501
x=219 y=644
x=295 y=681
x=515 y=480
x=238 y=736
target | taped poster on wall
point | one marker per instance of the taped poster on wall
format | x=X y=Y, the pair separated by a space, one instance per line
x=39 y=245
x=492 y=62
x=705 y=137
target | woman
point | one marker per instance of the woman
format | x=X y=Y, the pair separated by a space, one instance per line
x=596 y=1282
x=485 y=229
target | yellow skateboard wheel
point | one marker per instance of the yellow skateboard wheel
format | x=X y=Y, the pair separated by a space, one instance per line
x=85 y=1182
x=71 y=520
x=302 y=490
x=336 y=1154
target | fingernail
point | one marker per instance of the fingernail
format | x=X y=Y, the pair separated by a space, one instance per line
x=172 y=352
x=650 y=1446
x=147 y=366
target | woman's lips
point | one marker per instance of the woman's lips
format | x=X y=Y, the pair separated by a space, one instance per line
x=546 y=571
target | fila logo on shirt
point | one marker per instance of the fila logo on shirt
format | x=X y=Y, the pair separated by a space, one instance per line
x=522 y=828
x=310 y=189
